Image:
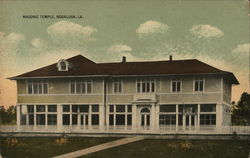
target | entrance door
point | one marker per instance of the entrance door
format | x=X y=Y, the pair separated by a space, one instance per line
x=84 y=120
x=145 y=119
x=190 y=121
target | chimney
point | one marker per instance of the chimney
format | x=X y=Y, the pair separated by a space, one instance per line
x=170 y=58
x=123 y=59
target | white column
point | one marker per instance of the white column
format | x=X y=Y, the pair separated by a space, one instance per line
x=152 y=123
x=126 y=119
x=114 y=117
x=101 y=117
x=90 y=119
x=219 y=117
x=107 y=117
x=78 y=118
x=59 y=117
x=157 y=110
x=177 y=118
x=183 y=122
x=35 y=116
x=46 y=116
x=70 y=115
x=18 y=116
x=198 y=117
x=134 y=117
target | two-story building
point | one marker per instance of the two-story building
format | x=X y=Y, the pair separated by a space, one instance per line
x=79 y=95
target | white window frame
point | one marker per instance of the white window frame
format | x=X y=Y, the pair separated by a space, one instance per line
x=60 y=67
x=176 y=80
x=32 y=87
x=85 y=82
x=146 y=81
x=117 y=82
x=198 y=78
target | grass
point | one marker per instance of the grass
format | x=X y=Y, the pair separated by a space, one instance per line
x=42 y=147
x=178 y=149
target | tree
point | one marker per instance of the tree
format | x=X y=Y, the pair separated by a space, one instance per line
x=241 y=110
x=7 y=115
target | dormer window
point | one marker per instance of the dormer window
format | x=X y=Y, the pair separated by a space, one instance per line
x=63 y=65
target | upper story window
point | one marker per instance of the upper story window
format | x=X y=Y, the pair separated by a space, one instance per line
x=37 y=87
x=145 y=86
x=176 y=85
x=80 y=87
x=63 y=65
x=199 y=84
x=117 y=86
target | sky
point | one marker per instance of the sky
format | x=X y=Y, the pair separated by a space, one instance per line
x=215 y=32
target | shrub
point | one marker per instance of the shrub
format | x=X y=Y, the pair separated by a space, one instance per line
x=11 y=141
x=61 y=141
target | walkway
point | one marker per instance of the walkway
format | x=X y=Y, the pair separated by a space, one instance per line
x=101 y=147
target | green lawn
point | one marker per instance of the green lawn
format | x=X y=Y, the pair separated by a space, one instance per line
x=41 y=147
x=177 y=149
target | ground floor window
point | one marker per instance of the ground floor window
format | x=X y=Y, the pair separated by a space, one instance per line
x=52 y=119
x=40 y=119
x=84 y=112
x=208 y=119
x=120 y=115
x=167 y=119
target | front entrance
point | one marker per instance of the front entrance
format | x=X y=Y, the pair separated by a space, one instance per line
x=145 y=118
x=84 y=120
x=189 y=122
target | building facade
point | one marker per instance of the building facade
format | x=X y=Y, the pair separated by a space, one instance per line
x=79 y=95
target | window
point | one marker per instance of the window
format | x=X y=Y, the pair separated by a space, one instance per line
x=167 y=108
x=66 y=108
x=95 y=108
x=208 y=119
x=40 y=108
x=80 y=87
x=30 y=108
x=199 y=84
x=52 y=119
x=52 y=108
x=145 y=86
x=40 y=119
x=37 y=87
x=120 y=115
x=62 y=65
x=167 y=119
x=95 y=119
x=176 y=85
x=117 y=86
x=66 y=119
x=84 y=108
x=208 y=107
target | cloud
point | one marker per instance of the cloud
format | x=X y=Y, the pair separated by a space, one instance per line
x=151 y=27
x=242 y=48
x=206 y=31
x=66 y=32
x=117 y=51
x=119 y=48
x=38 y=43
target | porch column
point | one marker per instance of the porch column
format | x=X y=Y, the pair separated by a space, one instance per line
x=70 y=115
x=157 y=110
x=198 y=117
x=134 y=117
x=46 y=116
x=219 y=113
x=35 y=116
x=183 y=121
x=153 y=115
x=101 y=117
x=78 y=117
x=107 y=117
x=59 y=117
x=90 y=119
x=177 y=118
x=18 y=116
